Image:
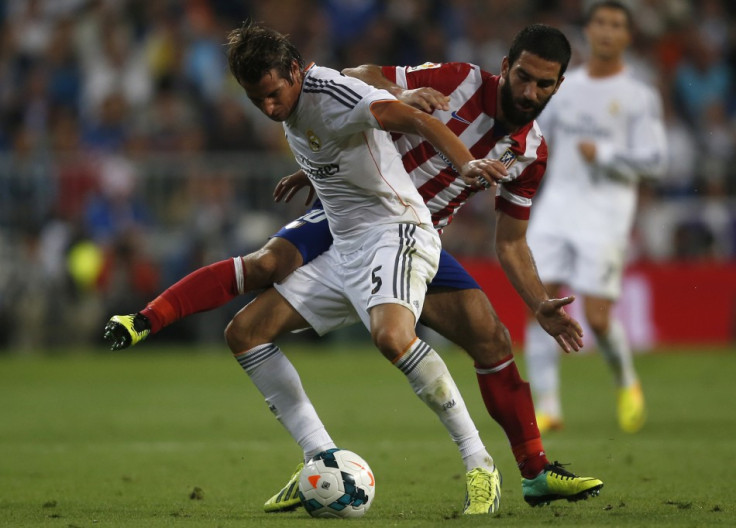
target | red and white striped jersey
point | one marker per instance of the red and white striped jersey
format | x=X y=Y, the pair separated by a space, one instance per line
x=473 y=94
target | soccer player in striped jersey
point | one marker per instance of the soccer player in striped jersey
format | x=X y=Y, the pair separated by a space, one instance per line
x=494 y=116
x=606 y=131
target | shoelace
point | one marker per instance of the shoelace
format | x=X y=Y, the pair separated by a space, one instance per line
x=477 y=491
x=558 y=469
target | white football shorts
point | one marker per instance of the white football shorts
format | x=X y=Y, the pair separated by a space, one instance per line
x=591 y=265
x=395 y=264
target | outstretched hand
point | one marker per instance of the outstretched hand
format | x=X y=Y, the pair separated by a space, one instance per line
x=289 y=185
x=556 y=322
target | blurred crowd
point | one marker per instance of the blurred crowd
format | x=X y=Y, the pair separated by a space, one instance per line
x=128 y=155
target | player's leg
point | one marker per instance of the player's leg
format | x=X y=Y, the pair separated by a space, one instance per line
x=392 y=329
x=466 y=317
x=395 y=301
x=216 y=284
x=457 y=309
x=507 y=397
x=205 y=289
x=613 y=344
x=250 y=337
x=600 y=266
x=556 y=263
x=542 y=355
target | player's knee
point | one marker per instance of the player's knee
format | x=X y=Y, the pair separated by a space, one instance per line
x=391 y=341
x=262 y=268
x=240 y=335
x=490 y=342
x=599 y=324
x=598 y=320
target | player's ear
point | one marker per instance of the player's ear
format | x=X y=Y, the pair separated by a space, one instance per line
x=559 y=83
x=505 y=68
x=295 y=71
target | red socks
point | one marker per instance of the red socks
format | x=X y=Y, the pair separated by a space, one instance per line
x=204 y=289
x=509 y=402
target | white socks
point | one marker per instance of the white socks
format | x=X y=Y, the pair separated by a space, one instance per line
x=542 y=360
x=615 y=348
x=277 y=379
x=542 y=366
x=431 y=381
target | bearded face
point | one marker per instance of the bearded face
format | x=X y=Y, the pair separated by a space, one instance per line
x=520 y=110
x=527 y=87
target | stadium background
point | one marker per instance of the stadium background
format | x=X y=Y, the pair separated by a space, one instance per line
x=129 y=157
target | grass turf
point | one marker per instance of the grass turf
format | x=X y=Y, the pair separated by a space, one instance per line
x=180 y=437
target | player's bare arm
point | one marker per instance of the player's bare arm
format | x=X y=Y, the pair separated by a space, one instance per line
x=289 y=185
x=395 y=116
x=425 y=98
x=518 y=265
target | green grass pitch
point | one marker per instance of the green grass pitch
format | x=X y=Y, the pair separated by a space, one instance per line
x=179 y=437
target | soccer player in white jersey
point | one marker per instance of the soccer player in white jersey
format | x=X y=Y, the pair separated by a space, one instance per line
x=385 y=250
x=606 y=132
x=494 y=116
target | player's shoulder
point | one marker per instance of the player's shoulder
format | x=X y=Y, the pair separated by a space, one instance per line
x=575 y=76
x=639 y=90
x=446 y=69
x=315 y=72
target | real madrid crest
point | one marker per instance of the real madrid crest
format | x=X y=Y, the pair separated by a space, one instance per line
x=314 y=142
x=614 y=108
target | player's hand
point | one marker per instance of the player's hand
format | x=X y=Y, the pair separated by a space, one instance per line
x=587 y=151
x=556 y=322
x=483 y=173
x=289 y=185
x=426 y=99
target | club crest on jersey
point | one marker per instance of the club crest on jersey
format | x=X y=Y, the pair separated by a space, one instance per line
x=614 y=108
x=314 y=142
x=507 y=158
x=425 y=66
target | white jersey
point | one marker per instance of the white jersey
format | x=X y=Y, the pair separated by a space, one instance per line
x=352 y=163
x=623 y=117
x=473 y=95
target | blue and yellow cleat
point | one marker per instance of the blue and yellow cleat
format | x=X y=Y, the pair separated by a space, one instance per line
x=288 y=498
x=555 y=483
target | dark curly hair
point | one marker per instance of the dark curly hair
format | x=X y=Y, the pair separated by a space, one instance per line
x=544 y=41
x=253 y=50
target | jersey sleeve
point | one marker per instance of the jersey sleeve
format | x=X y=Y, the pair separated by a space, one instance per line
x=443 y=77
x=515 y=197
x=645 y=155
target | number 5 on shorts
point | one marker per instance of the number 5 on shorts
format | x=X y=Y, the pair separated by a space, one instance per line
x=375 y=279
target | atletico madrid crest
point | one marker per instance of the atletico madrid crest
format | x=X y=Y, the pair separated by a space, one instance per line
x=508 y=158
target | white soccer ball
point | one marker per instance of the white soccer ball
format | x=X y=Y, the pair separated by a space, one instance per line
x=337 y=483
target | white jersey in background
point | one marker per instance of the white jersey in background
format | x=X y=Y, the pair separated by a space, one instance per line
x=352 y=163
x=623 y=117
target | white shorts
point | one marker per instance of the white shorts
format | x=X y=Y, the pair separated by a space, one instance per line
x=394 y=265
x=589 y=266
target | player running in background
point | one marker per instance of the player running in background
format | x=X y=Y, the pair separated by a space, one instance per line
x=494 y=116
x=606 y=133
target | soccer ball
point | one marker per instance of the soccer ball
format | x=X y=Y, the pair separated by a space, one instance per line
x=337 y=483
